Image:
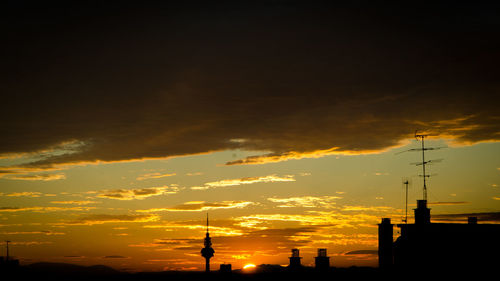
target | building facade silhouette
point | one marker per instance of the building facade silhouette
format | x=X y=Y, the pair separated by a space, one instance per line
x=426 y=246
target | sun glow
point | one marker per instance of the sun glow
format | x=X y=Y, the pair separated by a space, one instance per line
x=249 y=266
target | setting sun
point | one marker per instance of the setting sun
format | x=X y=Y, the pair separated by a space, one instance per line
x=249 y=266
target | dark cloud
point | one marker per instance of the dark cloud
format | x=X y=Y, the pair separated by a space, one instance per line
x=128 y=81
x=115 y=257
x=449 y=203
x=362 y=252
x=487 y=217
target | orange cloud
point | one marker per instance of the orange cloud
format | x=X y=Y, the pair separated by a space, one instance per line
x=104 y=218
x=154 y=176
x=198 y=206
x=214 y=230
x=36 y=177
x=43 y=209
x=87 y=202
x=247 y=180
x=24 y=194
x=138 y=193
x=306 y=201
x=32 y=232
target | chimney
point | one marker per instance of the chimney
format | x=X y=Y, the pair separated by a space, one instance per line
x=295 y=259
x=385 y=240
x=322 y=261
x=422 y=213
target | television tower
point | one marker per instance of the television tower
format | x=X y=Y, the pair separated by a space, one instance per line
x=207 y=252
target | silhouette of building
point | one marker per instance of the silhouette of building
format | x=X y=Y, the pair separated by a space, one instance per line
x=225 y=268
x=385 y=240
x=427 y=246
x=295 y=259
x=322 y=261
x=207 y=252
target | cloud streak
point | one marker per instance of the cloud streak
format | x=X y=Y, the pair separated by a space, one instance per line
x=38 y=209
x=138 y=193
x=306 y=201
x=154 y=176
x=105 y=218
x=35 y=177
x=199 y=206
x=246 y=180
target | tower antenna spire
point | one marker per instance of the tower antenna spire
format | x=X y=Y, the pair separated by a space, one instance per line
x=207 y=252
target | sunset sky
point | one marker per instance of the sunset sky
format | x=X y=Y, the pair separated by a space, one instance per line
x=124 y=124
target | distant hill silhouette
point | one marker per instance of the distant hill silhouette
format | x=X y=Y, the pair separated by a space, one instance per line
x=67 y=268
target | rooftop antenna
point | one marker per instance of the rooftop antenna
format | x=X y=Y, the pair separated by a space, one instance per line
x=406 y=182
x=421 y=137
x=7 y=245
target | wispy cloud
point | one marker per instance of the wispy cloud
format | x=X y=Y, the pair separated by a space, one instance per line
x=306 y=201
x=36 y=177
x=24 y=194
x=154 y=176
x=83 y=202
x=246 y=180
x=214 y=230
x=115 y=257
x=450 y=203
x=38 y=209
x=348 y=216
x=197 y=206
x=487 y=217
x=139 y=193
x=32 y=233
x=284 y=156
x=30 y=243
x=105 y=218
x=362 y=252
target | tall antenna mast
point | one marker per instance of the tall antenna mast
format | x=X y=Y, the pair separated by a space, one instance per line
x=406 y=182
x=207 y=222
x=421 y=137
x=7 y=245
